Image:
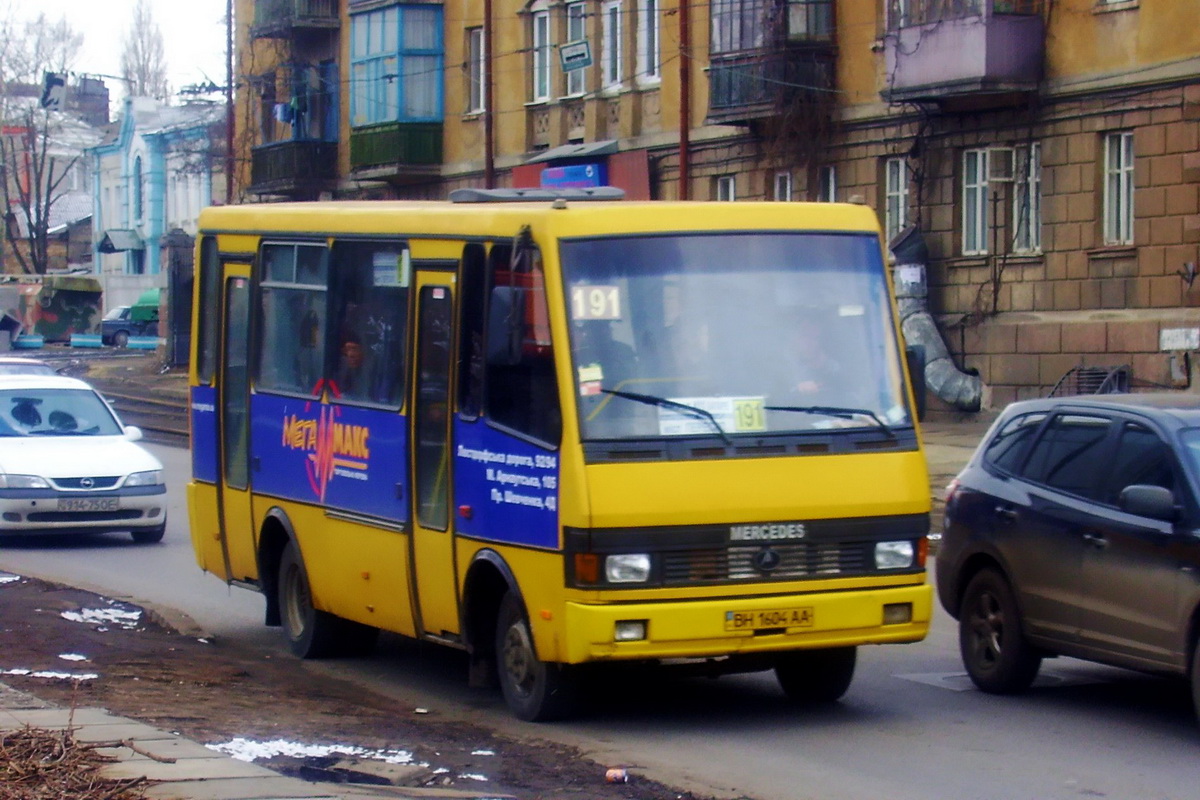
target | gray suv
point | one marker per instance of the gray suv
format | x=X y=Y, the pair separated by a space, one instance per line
x=1075 y=530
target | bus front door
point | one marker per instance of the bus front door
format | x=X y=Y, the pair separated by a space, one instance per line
x=237 y=535
x=432 y=528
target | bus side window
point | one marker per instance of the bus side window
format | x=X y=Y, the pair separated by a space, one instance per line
x=293 y=298
x=470 y=355
x=368 y=320
x=524 y=395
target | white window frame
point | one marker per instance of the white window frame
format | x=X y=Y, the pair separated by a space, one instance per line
x=576 y=31
x=783 y=186
x=1118 y=188
x=1027 y=199
x=726 y=188
x=975 y=196
x=895 y=193
x=827 y=184
x=540 y=63
x=649 y=43
x=610 y=46
x=476 y=71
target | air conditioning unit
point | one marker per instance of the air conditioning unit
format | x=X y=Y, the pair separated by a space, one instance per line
x=1001 y=164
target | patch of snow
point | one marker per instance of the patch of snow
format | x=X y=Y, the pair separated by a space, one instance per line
x=8 y=578
x=483 y=752
x=119 y=617
x=473 y=776
x=250 y=750
x=72 y=657
x=50 y=675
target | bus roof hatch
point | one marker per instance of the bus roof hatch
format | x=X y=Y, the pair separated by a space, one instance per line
x=535 y=195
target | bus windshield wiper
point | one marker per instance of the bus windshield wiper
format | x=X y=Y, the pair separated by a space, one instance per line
x=662 y=402
x=839 y=412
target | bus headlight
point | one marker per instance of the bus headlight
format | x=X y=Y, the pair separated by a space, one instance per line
x=627 y=568
x=894 y=555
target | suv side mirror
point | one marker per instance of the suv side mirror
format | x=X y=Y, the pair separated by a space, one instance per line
x=1155 y=502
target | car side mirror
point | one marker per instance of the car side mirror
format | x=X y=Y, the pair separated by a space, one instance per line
x=1154 y=502
x=133 y=433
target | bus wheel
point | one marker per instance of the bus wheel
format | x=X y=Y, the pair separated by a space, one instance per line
x=534 y=690
x=310 y=633
x=815 y=677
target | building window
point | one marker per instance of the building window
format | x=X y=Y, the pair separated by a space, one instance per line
x=1118 y=188
x=738 y=25
x=783 y=186
x=895 y=192
x=396 y=65
x=827 y=184
x=975 y=202
x=1027 y=199
x=541 y=56
x=810 y=19
x=476 y=64
x=576 y=32
x=610 y=46
x=648 y=42
x=727 y=188
x=137 y=189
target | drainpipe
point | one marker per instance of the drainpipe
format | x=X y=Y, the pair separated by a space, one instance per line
x=960 y=389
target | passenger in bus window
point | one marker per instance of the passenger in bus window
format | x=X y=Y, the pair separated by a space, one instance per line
x=351 y=374
x=813 y=370
x=601 y=360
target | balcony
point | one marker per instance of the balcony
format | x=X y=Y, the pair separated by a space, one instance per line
x=756 y=84
x=965 y=54
x=300 y=169
x=282 y=19
x=396 y=150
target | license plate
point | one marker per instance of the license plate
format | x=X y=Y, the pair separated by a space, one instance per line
x=88 y=504
x=801 y=617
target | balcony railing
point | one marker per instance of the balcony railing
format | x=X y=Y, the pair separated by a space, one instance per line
x=396 y=144
x=278 y=18
x=298 y=167
x=949 y=50
x=756 y=84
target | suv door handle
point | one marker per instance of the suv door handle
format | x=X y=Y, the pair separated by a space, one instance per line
x=1096 y=540
x=1006 y=513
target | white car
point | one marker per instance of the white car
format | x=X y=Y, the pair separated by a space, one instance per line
x=68 y=465
x=15 y=365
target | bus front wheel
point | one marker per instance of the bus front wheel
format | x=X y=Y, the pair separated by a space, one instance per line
x=310 y=633
x=814 y=677
x=534 y=690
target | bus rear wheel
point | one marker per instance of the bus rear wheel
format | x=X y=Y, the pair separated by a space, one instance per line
x=816 y=677
x=310 y=633
x=534 y=690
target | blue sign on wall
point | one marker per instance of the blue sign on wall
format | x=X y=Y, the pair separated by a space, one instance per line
x=575 y=176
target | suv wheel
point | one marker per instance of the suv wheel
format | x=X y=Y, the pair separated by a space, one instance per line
x=992 y=638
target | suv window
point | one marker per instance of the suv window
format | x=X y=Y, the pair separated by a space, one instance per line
x=1008 y=447
x=1066 y=456
x=1141 y=458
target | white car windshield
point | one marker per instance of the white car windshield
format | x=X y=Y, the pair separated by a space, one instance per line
x=747 y=333
x=55 y=412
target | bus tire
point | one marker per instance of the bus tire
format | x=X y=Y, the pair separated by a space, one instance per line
x=816 y=677
x=310 y=633
x=534 y=690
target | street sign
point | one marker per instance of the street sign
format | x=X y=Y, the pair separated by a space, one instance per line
x=575 y=55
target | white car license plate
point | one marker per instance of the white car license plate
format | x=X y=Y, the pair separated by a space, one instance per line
x=88 y=504
x=800 y=617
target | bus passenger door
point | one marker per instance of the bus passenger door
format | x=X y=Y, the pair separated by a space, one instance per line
x=237 y=534
x=432 y=529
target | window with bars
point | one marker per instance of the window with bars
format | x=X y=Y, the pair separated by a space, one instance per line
x=1118 y=188
x=974 y=202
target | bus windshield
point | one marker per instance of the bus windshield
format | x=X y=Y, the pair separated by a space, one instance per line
x=731 y=334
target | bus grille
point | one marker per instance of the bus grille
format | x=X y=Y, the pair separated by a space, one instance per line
x=804 y=560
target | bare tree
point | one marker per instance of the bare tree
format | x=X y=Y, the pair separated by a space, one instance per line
x=143 y=57
x=38 y=148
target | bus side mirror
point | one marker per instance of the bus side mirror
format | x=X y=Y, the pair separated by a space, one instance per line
x=915 y=355
x=505 y=326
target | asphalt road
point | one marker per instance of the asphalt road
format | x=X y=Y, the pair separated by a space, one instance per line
x=911 y=726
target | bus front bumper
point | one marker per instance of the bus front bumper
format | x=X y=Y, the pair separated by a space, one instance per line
x=739 y=625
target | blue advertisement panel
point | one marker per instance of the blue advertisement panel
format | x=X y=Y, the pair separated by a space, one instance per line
x=344 y=457
x=203 y=410
x=509 y=485
x=575 y=176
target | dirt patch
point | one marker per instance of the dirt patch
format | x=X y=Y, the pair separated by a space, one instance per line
x=216 y=692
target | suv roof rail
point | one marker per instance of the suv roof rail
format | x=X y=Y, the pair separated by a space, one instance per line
x=535 y=195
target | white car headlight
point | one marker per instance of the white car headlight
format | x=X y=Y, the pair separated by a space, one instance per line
x=22 y=482
x=627 y=568
x=151 y=478
x=894 y=555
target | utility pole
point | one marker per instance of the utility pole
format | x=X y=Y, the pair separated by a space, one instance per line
x=228 y=102
x=685 y=97
x=489 y=133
